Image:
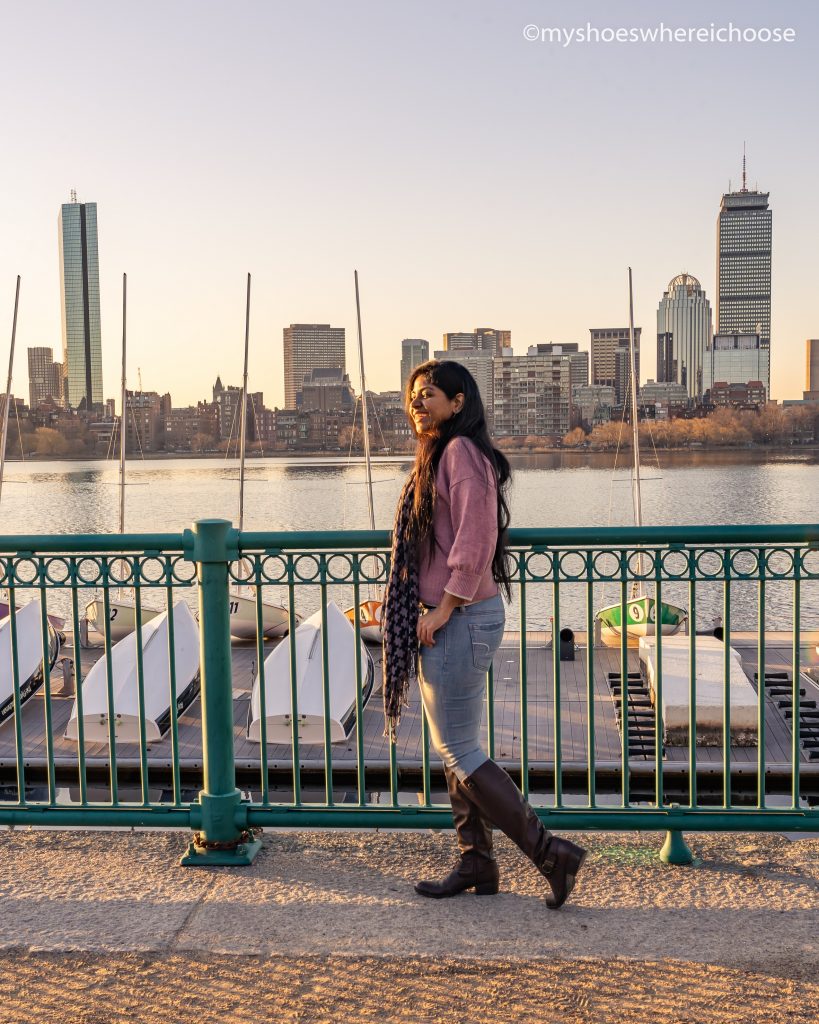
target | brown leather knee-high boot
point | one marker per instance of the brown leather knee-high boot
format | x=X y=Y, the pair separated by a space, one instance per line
x=477 y=868
x=492 y=791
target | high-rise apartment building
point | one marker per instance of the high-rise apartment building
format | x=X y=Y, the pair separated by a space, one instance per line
x=744 y=264
x=44 y=376
x=533 y=394
x=413 y=352
x=80 y=300
x=309 y=347
x=683 y=331
x=610 y=361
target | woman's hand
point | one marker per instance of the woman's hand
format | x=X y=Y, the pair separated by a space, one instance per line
x=430 y=623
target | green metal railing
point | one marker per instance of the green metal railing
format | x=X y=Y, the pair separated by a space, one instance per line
x=563 y=572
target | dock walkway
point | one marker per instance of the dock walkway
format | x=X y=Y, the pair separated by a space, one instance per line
x=507 y=710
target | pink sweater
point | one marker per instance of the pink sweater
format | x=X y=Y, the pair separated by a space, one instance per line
x=465 y=521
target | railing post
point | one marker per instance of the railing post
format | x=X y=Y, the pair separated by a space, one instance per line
x=211 y=544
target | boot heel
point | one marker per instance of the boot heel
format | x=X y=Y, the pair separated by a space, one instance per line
x=486 y=889
x=577 y=861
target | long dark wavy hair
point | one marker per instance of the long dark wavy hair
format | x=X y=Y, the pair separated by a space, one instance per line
x=454 y=379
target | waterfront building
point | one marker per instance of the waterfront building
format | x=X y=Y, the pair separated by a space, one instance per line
x=326 y=389
x=192 y=427
x=812 y=371
x=750 y=395
x=683 y=331
x=480 y=365
x=533 y=394
x=610 y=362
x=594 y=404
x=735 y=359
x=145 y=421
x=662 y=399
x=45 y=377
x=308 y=347
x=228 y=402
x=744 y=264
x=413 y=352
x=80 y=304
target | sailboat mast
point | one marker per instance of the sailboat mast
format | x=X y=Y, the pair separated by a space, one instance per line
x=8 y=388
x=243 y=415
x=635 y=432
x=123 y=419
x=364 y=423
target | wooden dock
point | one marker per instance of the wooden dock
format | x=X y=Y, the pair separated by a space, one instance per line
x=507 y=711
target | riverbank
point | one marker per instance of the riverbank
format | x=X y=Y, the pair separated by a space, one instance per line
x=579 y=456
x=325 y=926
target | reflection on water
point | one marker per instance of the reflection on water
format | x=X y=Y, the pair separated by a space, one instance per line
x=556 y=489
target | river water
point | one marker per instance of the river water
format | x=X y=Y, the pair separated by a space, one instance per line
x=567 y=489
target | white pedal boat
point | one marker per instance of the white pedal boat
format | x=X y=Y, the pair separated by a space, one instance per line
x=309 y=683
x=121 y=616
x=242 y=604
x=29 y=656
x=156 y=682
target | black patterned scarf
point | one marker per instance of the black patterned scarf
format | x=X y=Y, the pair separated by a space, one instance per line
x=400 y=615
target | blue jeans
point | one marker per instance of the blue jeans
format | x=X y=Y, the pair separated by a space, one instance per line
x=452 y=681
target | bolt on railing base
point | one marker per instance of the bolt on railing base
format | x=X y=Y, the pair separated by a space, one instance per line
x=203 y=854
x=675 y=849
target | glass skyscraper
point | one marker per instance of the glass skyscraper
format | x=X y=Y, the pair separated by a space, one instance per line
x=683 y=332
x=80 y=298
x=744 y=265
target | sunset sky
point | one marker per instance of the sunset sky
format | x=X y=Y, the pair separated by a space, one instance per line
x=473 y=178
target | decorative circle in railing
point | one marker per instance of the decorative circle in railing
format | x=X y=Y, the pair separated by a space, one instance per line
x=307 y=568
x=778 y=563
x=274 y=568
x=607 y=566
x=180 y=570
x=573 y=565
x=339 y=568
x=89 y=570
x=152 y=570
x=372 y=567
x=641 y=565
x=25 y=571
x=538 y=567
x=57 y=571
x=744 y=563
x=675 y=565
x=709 y=564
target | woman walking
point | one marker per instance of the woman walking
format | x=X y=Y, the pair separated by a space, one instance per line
x=448 y=560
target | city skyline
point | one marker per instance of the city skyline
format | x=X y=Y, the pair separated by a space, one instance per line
x=386 y=180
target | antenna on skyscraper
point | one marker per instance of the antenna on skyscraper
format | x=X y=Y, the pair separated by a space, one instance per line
x=744 y=183
x=73 y=195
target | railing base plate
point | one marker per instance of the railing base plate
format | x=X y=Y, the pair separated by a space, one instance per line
x=201 y=857
x=675 y=849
